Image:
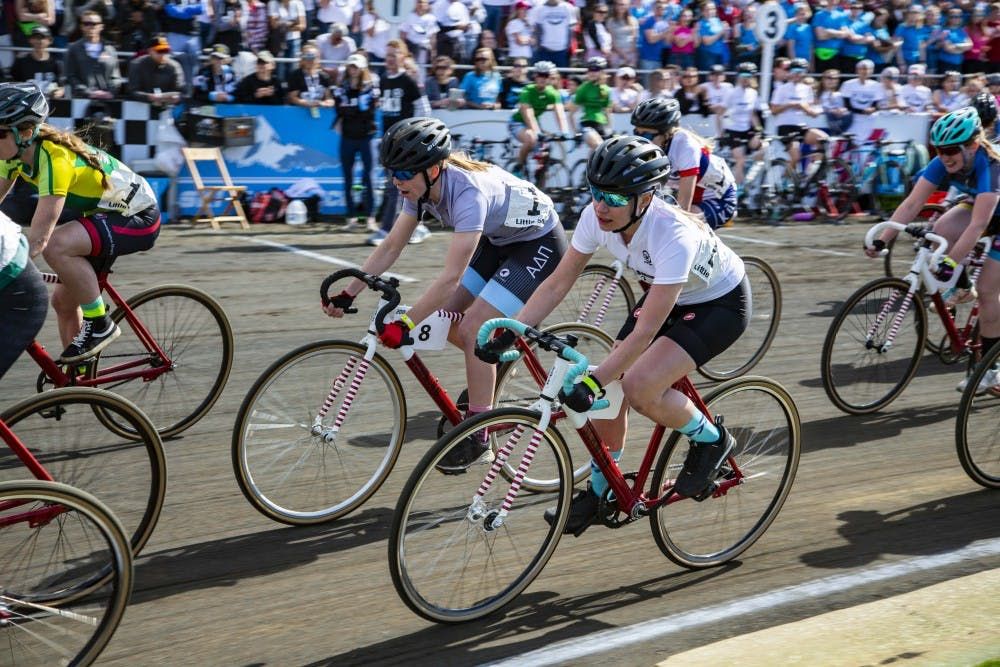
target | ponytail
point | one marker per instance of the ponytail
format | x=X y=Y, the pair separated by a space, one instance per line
x=74 y=143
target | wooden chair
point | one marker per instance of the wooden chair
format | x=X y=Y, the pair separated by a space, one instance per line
x=212 y=194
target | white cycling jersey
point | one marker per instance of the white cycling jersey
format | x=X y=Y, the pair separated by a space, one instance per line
x=690 y=157
x=741 y=104
x=670 y=247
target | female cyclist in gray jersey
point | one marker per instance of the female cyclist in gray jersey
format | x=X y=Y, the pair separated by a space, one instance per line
x=507 y=241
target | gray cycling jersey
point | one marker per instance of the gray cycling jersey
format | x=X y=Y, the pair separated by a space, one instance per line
x=503 y=207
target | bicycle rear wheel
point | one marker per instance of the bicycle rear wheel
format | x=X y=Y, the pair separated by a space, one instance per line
x=299 y=468
x=765 y=315
x=193 y=331
x=764 y=421
x=597 y=299
x=865 y=363
x=60 y=430
x=977 y=428
x=517 y=387
x=67 y=574
x=840 y=190
x=448 y=562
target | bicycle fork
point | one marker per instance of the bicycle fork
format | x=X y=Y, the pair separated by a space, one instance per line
x=493 y=519
x=897 y=321
x=608 y=296
x=354 y=370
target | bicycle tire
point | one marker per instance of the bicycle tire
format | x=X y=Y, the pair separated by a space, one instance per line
x=765 y=309
x=595 y=286
x=449 y=566
x=578 y=175
x=59 y=428
x=516 y=387
x=555 y=176
x=977 y=427
x=852 y=351
x=194 y=331
x=39 y=622
x=696 y=535
x=782 y=182
x=295 y=476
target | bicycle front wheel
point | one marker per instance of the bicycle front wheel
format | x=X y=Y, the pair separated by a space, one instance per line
x=517 y=386
x=192 y=329
x=868 y=356
x=765 y=315
x=450 y=559
x=67 y=574
x=977 y=428
x=596 y=298
x=764 y=421
x=318 y=433
x=61 y=432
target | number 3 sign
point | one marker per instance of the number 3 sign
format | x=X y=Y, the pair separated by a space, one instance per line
x=771 y=23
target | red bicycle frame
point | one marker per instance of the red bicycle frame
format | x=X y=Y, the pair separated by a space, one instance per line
x=150 y=367
x=34 y=517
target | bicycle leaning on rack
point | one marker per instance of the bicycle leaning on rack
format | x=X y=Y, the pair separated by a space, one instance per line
x=322 y=427
x=67 y=574
x=874 y=344
x=463 y=547
x=603 y=296
x=172 y=359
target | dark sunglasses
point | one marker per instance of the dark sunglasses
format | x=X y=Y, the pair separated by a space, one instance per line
x=950 y=150
x=612 y=199
x=480 y=60
x=90 y=23
x=648 y=136
x=402 y=174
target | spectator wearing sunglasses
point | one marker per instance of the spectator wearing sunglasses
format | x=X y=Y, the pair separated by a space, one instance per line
x=482 y=85
x=507 y=240
x=915 y=95
x=441 y=80
x=949 y=97
x=695 y=307
x=513 y=83
x=967 y=161
x=38 y=65
x=954 y=42
x=91 y=64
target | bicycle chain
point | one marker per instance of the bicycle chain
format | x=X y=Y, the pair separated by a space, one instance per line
x=607 y=509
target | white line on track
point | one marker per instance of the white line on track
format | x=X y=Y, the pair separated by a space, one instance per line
x=315 y=255
x=821 y=251
x=616 y=638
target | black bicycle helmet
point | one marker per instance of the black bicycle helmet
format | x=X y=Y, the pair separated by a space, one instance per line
x=415 y=144
x=986 y=105
x=660 y=113
x=746 y=69
x=627 y=165
x=597 y=63
x=22 y=103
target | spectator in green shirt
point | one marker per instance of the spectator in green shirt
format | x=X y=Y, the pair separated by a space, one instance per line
x=593 y=98
x=535 y=100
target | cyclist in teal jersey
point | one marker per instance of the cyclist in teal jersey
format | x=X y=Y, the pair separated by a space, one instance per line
x=970 y=163
x=535 y=99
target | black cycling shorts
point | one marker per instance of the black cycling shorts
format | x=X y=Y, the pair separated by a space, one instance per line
x=736 y=138
x=114 y=234
x=790 y=133
x=604 y=130
x=506 y=276
x=703 y=330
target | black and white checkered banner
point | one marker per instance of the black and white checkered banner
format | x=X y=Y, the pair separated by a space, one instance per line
x=135 y=124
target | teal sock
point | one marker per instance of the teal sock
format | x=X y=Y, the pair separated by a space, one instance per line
x=699 y=429
x=598 y=482
x=94 y=310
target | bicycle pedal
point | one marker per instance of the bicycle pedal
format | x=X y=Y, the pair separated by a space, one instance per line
x=53 y=413
x=707 y=493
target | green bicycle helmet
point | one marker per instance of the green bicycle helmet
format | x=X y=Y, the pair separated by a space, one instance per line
x=956 y=127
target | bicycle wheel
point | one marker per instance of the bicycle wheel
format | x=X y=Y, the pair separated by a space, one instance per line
x=193 y=331
x=597 y=299
x=578 y=176
x=764 y=421
x=840 y=191
x=60 y=430
x=977 y=428
x=448 y=563
x=517 y=387
x=865 y=364
x=301 y=464
x=555 y=176
x=67 y=574
x=779 y=192
x=765 y=315
x=902 y=250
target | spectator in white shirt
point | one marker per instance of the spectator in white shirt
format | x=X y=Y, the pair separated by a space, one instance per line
x=520 y=32
x=347 y=12
x=863 y=96
x=793 y=104
x=915 y=95
x=893 y=91
x=420 y=32
x=375 y=32
x=334 y=47
x=627 y=91
x=554 y=21
x=717 y=90
x=454 y=21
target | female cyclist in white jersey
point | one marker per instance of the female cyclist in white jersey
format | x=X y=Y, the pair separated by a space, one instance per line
x=507 y=241
x=695 y=307
x=744 y=124
x=702 y=182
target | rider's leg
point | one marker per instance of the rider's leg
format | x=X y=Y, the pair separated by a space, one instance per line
x=66 y=253
x=988 y=286
x=528 y=141
x=739 y=163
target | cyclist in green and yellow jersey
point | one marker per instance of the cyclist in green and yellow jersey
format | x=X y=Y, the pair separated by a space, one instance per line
x=593 y=97
x=109 y=211
x=535 y=99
